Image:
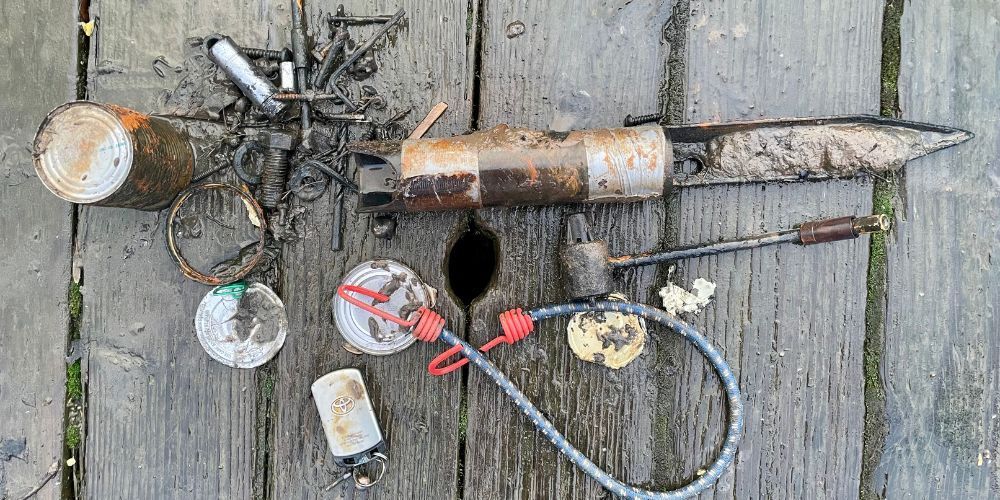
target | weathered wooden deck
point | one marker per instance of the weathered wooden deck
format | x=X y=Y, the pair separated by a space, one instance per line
x=868 y=369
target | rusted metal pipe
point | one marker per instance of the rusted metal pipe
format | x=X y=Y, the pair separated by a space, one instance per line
x=506 y=166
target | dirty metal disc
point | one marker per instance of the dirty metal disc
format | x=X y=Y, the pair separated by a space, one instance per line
x=607 y=338
x=368 y=333
x=242 y=326
x=83 y=152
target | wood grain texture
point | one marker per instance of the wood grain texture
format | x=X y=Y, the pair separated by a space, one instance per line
x=941 y=348
x=37 y=42
x=164 y=419
x=418 y=413
x=789 y=320
x=576 y=65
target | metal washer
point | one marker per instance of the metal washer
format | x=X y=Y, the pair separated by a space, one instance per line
x=357 y=325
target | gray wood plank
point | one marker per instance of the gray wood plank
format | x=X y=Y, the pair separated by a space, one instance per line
x=939 y=366
x=36 y=241
x=164 y=419
x=576 y=65
x=419 y=414
x=789 y=320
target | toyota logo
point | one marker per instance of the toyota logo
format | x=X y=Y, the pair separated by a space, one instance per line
x=342 y=405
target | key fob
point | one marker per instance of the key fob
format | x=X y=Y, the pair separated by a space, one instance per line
x=349 y=422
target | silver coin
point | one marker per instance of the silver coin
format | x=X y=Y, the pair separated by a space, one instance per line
x=241 y=326
x=407 y=293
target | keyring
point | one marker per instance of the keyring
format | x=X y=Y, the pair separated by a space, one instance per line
x=359 y=484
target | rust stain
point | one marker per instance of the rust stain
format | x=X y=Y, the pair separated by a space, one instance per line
x=355 y=390
x=131 y=119
x=437 y=192
x=86 y=155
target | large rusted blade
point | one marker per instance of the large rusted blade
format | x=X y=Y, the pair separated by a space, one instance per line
x=792 y=149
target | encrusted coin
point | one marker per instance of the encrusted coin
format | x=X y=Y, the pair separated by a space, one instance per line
x=607 y=338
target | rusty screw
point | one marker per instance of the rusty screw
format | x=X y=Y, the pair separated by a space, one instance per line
x=284 y=54
x=272 y=178
x=631 y=121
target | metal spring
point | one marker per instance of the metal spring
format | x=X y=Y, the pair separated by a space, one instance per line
x=272 y=177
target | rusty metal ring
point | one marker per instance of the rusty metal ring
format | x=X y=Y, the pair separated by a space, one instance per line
x=239 y=161
x=256 y=212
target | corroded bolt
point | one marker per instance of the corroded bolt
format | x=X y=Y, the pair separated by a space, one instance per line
x=275 y=166
x=284 y=54
x=631 y=121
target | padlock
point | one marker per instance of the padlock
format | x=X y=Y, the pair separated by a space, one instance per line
x=349 y=421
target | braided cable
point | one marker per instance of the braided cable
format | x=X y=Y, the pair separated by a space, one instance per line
x=733 y=433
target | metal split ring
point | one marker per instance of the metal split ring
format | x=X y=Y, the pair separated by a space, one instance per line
x=256 y=214
x=363 y=482
x=379 y=459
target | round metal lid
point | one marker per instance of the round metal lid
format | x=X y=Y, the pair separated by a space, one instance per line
x=407 y=293
x=241 y=326
x=83 y=152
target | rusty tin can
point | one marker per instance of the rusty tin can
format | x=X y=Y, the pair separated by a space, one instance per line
x=101 y=154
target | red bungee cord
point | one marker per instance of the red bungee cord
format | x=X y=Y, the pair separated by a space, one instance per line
x=426 y=325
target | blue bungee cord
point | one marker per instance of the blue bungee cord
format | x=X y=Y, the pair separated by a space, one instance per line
x=429 y=326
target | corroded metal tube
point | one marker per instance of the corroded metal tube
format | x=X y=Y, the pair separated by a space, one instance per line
x=511 y=166
x=507 y=166
x=224 y=52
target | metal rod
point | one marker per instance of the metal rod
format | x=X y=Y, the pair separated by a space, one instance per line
x=340 y=37
x=809 y=233
x=360 y=19
x=787 y=236
x=337 y=239
x=300 y=54
x=309 y=96
x=337 y=176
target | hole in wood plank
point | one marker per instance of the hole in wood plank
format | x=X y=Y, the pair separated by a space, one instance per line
x=472 y=264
